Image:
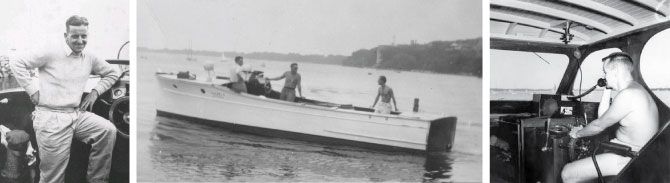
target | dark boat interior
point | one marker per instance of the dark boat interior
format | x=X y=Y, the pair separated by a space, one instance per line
x=255 y=87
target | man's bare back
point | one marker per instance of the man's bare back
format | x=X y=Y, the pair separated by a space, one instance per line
x=641 y=123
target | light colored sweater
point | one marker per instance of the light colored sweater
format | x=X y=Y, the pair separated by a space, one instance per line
x=62 y=77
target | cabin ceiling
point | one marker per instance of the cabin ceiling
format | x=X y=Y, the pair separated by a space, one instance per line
x=543 y=21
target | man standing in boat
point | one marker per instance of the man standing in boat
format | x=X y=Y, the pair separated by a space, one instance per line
x=291 y=83
x=60 y=114
x=237 y=76
x=386 y=93
x=633 y=108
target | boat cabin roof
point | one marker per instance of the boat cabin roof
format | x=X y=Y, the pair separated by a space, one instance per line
x=589 y=21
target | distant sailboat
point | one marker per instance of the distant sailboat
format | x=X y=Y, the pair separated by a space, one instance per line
x=190 y=57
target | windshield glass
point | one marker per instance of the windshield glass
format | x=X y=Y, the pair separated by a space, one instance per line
x=654 y=65
x=518 y=75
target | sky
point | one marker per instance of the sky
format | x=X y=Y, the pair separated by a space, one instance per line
x=303 y=26
x=537 y=74
x=35 y=25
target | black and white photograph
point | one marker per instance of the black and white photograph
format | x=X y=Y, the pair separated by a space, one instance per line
x=392 y=91
x=579 y=91
x=64 y=93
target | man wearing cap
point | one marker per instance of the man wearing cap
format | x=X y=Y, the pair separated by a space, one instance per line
x=633 y=108
x=60 y=114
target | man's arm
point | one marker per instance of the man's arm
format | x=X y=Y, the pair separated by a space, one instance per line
x=108 y=76
x=278 y=78
x=376 y=99
x=299 y=86
x=621 y=106
x=21 y=67
x=604 y=102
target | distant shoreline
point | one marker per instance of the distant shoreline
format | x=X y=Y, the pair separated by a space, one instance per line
x=460 y=57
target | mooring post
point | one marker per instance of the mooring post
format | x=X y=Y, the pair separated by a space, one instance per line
x=416 y=105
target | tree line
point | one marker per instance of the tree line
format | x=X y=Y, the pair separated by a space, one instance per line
x=461 y=57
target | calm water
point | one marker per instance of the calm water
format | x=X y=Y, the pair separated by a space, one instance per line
x=175 y=150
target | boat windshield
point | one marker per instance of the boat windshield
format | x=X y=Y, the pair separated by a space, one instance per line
x=654 y=65
x=517 y=75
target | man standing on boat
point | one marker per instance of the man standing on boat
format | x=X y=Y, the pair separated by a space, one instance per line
x=386 y=93
x=237 y=76
x=291 y=83
x=60 y=114
x=633 y=108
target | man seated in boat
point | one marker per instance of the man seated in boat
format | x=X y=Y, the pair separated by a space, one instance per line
x=386 y=93
x=60 y=113
x=291 y=83
x=633 y=108
x=237 y=76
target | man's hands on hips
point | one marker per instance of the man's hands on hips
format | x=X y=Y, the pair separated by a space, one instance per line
x=35 y=98
x=573 y=132
x=87 y=103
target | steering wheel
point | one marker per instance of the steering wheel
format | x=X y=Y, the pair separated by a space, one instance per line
x=579 y=148
x=268 y=87
x=119 y=114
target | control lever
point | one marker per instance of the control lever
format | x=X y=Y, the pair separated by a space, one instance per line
x=546 y=142
x=602 y=82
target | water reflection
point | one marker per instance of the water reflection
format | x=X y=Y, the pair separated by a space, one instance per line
x=438 y=167
x=186 y=151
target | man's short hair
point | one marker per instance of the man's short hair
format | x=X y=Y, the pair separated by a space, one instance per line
x=75 y=20
x=618 y=60
x=293 y=64
x=383 y=78
x=238 y=58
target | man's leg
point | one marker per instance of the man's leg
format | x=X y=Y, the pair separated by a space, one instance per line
x=54 y=137
x=283 y=94
x=584 y=169
x=101 y=135
x=290 y=95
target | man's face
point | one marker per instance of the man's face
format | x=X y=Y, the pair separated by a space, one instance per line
x=380 y=82
x=294 y=68
x=76 y=38
x=609 y=76
x=240 y=61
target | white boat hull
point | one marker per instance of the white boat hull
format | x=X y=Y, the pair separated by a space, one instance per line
x=213 y=103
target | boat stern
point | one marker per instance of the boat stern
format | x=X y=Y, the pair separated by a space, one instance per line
x=441 y=134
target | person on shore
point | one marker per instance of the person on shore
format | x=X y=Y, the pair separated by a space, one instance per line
x=237 y=76
x=291 y=83
x=386 y=93
x=633 y=108
x=60 y=113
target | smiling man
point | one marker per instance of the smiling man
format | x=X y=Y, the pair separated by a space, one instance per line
x=60 y=114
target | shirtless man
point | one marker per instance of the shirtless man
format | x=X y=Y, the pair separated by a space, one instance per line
x=292 y=82
x=386 y=93
x=632 y=107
